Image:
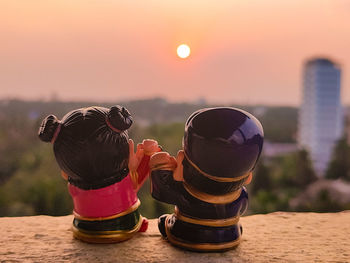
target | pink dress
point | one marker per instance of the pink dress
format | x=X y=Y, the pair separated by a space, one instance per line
x=110 y=200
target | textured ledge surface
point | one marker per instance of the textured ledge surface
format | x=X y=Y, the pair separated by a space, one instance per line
x=276 y=237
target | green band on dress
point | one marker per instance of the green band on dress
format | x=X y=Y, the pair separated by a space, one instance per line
x=123 y=223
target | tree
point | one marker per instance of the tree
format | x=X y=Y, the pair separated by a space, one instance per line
x=261 y=179
x=339 y=166
x=297 y=170
x=322 y=202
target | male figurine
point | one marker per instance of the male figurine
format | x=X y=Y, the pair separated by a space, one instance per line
x=221 y=147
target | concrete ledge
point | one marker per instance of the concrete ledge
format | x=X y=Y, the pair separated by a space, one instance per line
x=276 y=237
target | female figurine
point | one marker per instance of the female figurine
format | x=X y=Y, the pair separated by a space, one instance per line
x=94 y=153
x=221 y=147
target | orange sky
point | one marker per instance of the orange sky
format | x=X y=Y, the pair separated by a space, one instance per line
x=243 y=51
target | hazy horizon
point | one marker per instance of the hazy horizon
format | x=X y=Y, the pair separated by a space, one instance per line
x=243 y=52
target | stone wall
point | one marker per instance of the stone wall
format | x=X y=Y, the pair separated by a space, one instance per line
x=276 y=237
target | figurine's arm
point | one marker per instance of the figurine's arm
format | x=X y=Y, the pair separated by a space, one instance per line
x=165 y=185
x=139 y=161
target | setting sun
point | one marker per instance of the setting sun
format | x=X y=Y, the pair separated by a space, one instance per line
x=183 y=51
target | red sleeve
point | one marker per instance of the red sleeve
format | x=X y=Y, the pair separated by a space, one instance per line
x=143 y=170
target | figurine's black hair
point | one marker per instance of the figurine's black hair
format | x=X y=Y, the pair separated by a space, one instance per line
x=90 y=145
x=48 y=128
x=120 y=118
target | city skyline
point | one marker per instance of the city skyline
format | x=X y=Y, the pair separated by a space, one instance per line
x=243 y=52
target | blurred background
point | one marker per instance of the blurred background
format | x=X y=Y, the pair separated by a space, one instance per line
x=286 y=62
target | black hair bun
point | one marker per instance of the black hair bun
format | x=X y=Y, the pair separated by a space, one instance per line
x=120 y=118
x=48 y=128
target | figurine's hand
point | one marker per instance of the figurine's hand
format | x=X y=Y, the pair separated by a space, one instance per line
x=135 y=158
x=150 y=147
x=178 y=173
x=162 y=161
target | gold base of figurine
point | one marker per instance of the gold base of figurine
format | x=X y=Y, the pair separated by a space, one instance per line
x=200 y=247
x=105 y=237
x=203 y=247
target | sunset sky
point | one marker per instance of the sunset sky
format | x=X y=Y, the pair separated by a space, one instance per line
x=242 y=51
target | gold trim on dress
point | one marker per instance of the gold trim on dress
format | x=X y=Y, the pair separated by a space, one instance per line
x=214 y=199
x=200 y=246
x=207 y=222
x=128 y=211
x=105 y=236
x=216 y=178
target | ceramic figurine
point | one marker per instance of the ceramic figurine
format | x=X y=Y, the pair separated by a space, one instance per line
x=221 y=147
x=92 y=148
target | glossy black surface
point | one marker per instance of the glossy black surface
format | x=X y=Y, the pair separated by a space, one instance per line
x=192 y=233
x=165 y=189
x=224 y=142
x=206 y=185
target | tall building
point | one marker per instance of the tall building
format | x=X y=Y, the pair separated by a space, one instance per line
x=320 y=116
x=347 y=125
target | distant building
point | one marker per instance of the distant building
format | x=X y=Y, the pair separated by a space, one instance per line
x=278 y=149
x=320 y=115
x=347 y=123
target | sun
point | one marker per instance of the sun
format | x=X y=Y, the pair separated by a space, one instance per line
x=183 y=51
